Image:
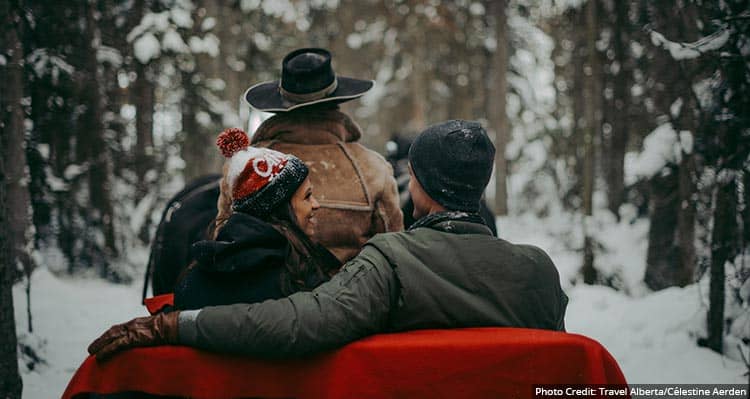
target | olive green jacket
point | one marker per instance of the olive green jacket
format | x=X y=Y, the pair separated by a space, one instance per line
x=451 y=274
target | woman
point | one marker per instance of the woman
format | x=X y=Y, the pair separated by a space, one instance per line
x=264 y=250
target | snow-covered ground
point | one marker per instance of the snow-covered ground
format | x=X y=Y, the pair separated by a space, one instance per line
x=652 y=335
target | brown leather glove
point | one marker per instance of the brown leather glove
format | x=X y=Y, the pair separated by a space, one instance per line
x=143 y=331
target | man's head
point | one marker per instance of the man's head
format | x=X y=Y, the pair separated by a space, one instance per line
x=450 y=165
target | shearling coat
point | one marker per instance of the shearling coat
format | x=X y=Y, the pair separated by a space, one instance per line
x=355 y=187
x=447 y=273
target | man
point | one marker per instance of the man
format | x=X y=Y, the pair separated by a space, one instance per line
x=355 y=186
x=446 y=271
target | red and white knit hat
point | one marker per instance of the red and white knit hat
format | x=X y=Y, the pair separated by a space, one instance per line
x=260 y=178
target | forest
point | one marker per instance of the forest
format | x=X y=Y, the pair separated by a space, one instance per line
x=604 y=113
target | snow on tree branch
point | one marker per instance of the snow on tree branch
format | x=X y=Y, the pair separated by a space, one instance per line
x=166 y=31
x=687 y=51
x=663 y=146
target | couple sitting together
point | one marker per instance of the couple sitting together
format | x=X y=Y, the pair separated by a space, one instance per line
x=269 y=285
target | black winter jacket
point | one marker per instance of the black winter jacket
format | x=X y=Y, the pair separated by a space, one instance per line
x=245 y=264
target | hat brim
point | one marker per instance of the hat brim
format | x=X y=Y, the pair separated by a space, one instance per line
x=266 y=96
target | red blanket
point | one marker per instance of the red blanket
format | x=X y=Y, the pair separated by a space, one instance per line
x=462 y=363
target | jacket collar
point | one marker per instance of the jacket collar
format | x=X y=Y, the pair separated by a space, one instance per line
x=322 y=127
x=454 y=222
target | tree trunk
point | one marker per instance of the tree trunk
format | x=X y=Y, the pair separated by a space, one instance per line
x=143 y=93
x=497 y=84
x=93 y=150
x=14 y=156
x=10 y=380
x=12 y=135
x=143 y=97
x=674 y=242
x=620 y=117
x=198 y=149
x=590 y=110
x=721 y=248
x=662 y=257
x=687 y=121
x=579 y=94
x=685 y=275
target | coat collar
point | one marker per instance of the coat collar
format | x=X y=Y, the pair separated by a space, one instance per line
x=322 y=127
x=454 y=222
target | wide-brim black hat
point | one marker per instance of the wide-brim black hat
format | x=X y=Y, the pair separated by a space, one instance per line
x=307 y=78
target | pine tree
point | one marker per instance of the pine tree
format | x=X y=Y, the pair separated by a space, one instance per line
x=11 y=140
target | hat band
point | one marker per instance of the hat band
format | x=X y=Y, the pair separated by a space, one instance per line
x=316 y=95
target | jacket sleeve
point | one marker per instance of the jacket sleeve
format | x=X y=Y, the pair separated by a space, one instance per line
x=387 y=206
x=355 y=303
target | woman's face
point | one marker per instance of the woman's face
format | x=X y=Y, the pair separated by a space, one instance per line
x=304 y=205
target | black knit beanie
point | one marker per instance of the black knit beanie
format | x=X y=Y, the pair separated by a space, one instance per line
x=453 y=162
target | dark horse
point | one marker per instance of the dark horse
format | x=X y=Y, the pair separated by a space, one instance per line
x=187 y=218
x=190 y=214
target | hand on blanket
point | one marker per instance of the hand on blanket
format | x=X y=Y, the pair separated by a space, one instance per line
x=143 y=331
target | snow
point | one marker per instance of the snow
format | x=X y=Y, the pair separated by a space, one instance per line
x=476 y=8
x=67 y=315
x=208 y=24
x=43 y=149
x=146 y=48
x=675 y=108
x=686 y=141
x=354 y=40
x=203 y=118
x=303 y=24
x=72 y=171
x=686 y=51
x=142 y=211
x=663 y=146
x=156 y=22
x=209 y=44
x=181 y=15
x=369 y=33
x=109 y=55
x=262 y=41
x=703 y=90
x=283 y=9
x=490 y=43
x=331 y=4
x=44 y=63
x=172 y=41
x=249 y=5
x=652 y=335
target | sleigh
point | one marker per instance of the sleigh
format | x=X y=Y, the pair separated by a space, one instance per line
x=458 y=363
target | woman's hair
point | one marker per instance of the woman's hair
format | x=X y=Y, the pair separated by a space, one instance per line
x=307 y=264
x=223 y=204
